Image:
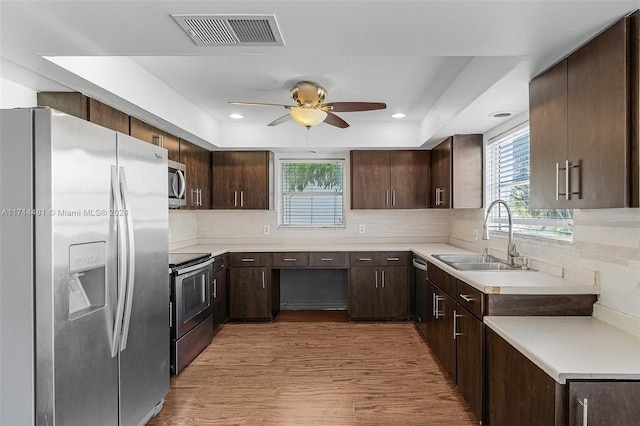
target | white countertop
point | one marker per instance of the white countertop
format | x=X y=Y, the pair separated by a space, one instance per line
x=572 y=347
x=489 y=282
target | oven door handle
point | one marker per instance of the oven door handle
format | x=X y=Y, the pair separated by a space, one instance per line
x=194 y=267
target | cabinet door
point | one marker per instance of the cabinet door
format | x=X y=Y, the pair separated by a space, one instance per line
x=254 y=189
x=467 y=175
x=249 y=291
x=547 y=134
x=393 y=293
x=219 y=296
x=608 y=403
x=364 y=283
x=370 y=174
x=441 y=175
x=227 y=172
x=410 y=179
x=598 y=117
x=445 y=343
x=148 y=133
x=198 y=170
x=470 y=353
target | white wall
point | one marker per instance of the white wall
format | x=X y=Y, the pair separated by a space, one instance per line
x=13 y=95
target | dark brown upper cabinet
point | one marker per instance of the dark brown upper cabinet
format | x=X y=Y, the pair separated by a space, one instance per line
x=148 y=133
x=241 y=180
x=584 y=124
x=197 y=161
x=456 y=173
x=390 y=179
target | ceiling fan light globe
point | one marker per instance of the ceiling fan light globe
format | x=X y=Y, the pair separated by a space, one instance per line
x=308 y=117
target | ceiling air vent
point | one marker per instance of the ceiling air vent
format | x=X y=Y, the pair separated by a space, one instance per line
x=231 y=30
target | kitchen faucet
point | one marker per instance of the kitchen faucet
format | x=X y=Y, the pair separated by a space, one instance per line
x=512 y=253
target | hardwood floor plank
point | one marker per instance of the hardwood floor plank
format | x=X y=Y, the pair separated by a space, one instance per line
x=293 y=372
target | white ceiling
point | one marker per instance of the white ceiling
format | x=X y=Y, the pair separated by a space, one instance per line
x=446 y=64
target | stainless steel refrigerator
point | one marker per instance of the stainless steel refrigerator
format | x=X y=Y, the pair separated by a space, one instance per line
x=84 y=291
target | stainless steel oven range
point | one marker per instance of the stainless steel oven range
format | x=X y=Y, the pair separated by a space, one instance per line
x=191 y=308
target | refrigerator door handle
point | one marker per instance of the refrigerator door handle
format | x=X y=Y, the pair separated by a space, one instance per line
x=122 y=267
x=131 y=259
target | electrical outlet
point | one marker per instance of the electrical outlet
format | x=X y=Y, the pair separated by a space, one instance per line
x=361 y=229
x=475 y=234
x=266 y=230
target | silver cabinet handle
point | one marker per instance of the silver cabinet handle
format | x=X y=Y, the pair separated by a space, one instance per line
x=241 y=198
x=235 y=198
x=584 y=411
x=393 y=259
x=436 y=306
x=170 y=314
x=215 y=288
x=386 y=198
x=567 y=180
x=248 y=259
x=466 y=297
x=393 y=197
x=326 y=260
x=158 y=140
x=376 y=279
x=455 y=324
x=364 y=259
x=289 y=259
x=263 y=280
x=383 y=278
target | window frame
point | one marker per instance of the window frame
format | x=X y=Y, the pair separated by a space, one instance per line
x=280 y=195
x=497 y=222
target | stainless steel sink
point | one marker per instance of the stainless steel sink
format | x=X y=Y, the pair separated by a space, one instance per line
x=465 y=258
x=475 y=262
x=487 y=266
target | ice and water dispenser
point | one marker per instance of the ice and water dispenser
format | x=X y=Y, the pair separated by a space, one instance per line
x=87 y=278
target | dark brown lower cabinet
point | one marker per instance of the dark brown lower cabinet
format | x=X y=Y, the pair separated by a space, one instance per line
x=250 y=293
x=378 y=292
x=518 y=392
x=444 y=345
x=219 y=291
x=470 y=358
x=604 y=402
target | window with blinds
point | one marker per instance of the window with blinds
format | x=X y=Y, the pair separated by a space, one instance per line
x=507 y=166
x=311 y=193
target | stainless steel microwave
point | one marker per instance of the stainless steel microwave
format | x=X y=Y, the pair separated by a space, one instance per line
x=177 y=185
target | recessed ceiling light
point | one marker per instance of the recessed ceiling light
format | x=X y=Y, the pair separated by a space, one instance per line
x=399 y=115
x=236 y=116
x=500 y=114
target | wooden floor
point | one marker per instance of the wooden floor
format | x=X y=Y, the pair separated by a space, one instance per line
x=314 y=369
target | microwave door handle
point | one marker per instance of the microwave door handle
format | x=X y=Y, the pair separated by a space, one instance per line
x=183 y=184
x=121 y=276
x=131 y=259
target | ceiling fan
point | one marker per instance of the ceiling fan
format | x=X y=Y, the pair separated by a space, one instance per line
x=310 y=111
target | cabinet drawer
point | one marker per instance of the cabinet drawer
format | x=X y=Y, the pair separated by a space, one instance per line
x=394 y=258
x=365 y=258
x=470 y=298
x=442 y=279
x=328 y=259
x=249 y=259
x=290 y=259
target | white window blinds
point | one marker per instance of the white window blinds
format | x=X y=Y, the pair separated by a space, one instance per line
x=311 y=193
x=508 y=170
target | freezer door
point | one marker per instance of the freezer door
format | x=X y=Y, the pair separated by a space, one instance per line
x=144 y=356
x=75 y=271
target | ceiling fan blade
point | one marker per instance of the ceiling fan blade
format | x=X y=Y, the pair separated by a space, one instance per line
x=354 y=106
x=280 y=120
x=261 y=104
x=334 y=120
